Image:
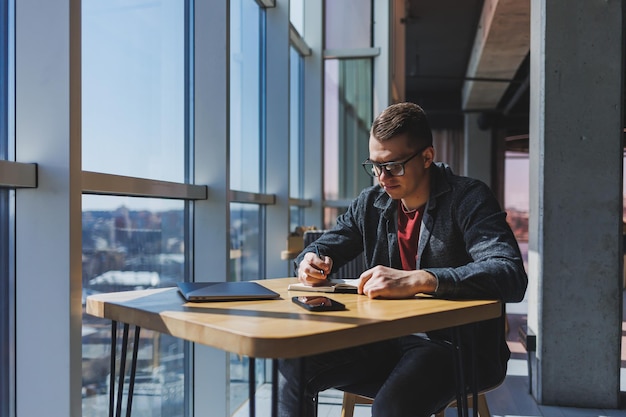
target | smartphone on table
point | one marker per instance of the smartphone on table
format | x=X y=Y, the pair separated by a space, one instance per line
x=318 y=303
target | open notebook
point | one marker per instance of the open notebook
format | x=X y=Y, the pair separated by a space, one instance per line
x=224 y=291
x=346 y=285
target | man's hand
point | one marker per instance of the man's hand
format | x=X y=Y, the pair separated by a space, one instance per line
x=313 y=270
x=385 y=282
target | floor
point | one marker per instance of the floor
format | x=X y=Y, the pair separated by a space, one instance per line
x=511 y=399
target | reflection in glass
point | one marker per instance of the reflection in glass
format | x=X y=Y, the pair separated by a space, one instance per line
x=296 y=136
x=296 y=217
x=133 y=88
x=245 y=95
x=245 y=241
x=347 y=120
x=129 y=244
x=348 y=24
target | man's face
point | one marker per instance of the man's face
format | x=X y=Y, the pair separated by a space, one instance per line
x=415 y=180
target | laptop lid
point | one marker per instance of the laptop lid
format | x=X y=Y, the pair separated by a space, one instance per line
x=224 y=291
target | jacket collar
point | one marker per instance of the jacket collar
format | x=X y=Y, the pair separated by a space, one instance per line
x=438 y=186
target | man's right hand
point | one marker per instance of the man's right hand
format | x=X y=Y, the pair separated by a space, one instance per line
x=314 y=270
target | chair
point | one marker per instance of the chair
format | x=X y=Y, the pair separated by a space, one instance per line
x=350 y=400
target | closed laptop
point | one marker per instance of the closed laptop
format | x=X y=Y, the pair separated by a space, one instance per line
x=224 y=291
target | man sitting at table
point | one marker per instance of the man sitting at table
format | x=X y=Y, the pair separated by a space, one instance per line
x=422 y=229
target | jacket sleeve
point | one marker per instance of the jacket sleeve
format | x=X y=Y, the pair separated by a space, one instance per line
x=493 y=266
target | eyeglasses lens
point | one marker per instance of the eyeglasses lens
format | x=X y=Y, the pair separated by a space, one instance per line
x=376 y=170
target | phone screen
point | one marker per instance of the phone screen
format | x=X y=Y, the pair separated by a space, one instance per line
x=318 y=303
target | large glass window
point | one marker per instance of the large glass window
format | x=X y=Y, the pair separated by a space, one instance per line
x=348 y=100
x=7 y=339
x=348 y=24
x=133 y=90
x=133 y=243
x=135 y=93
x=247 y=174
x=246 y=75
x=296 y=15
x=347 y=119
x=296 y=136
x=516 y=197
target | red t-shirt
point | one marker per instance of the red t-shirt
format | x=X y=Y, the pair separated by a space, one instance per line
x=409 y=224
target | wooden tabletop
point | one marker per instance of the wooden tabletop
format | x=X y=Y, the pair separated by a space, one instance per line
x=279 y=328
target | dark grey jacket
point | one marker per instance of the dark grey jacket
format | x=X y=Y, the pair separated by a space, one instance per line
x=465 y=242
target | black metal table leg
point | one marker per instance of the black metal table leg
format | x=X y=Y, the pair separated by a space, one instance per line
x=112 y=373
x=474 y=378
x=460 y=371
x=120 y=384
x=252 y=386
x=133 y=370
x=274 y=387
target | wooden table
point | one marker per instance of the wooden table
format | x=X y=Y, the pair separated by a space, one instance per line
x=279 y=328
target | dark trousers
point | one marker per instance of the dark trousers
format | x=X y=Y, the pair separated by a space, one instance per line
x=407 y=377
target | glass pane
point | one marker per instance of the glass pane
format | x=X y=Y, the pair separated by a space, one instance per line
x=348 y=24
x=331 y=214
x=347 y=120
x=516 y=197
x=133 y=243
x=7 y=278
x=296 y=175
x=245 y=238
x=133 y=88
x=6 y=303
x=296 y=15
x=245 y=250
x=245 y=95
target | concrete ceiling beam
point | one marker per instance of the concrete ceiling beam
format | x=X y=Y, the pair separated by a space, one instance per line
x=502 y=42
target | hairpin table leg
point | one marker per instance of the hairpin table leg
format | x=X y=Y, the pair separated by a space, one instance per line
x=274 y=388
x=112 y=373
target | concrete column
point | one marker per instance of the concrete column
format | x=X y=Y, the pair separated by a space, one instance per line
x=477 y=162
x=277 y=132
x=575 y=250
x=211 y=167
x=313 y=119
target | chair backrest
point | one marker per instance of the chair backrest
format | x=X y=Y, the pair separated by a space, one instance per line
x=350 y=270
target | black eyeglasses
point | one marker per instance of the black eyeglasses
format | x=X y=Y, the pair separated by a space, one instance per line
x=395 y=169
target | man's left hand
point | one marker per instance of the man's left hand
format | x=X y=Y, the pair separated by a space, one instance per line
x=385 y=282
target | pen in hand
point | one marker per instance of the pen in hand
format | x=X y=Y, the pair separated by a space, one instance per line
x=317 y=252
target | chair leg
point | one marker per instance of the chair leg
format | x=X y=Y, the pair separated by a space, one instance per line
x=349 y=400
x=483 y=407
